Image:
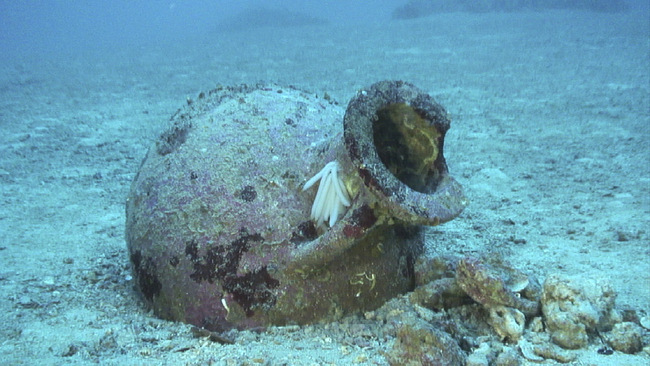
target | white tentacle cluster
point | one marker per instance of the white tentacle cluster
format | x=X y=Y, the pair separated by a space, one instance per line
x=332 y=196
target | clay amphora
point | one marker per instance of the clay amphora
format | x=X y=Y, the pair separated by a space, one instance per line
x=267 y=205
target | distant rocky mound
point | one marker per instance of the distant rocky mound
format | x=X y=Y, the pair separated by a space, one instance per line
x=268 y=17
x=422 y=8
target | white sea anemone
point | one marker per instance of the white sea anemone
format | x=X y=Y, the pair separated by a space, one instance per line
x=332 y=196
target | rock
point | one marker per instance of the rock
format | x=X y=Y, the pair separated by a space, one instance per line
x=625 y=337
x=509 y=323
x=553 y=352
x=527 y=350
x=573 y=307
x=440 y=294
x=508 y=357
x=418 y=343
x=480 y=356
x=536 y=325
x=429 y=269
x=497 y=284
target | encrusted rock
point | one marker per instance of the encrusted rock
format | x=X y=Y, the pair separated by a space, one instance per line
x=480 y=356
x=536 y=325
x=440 y=294
x=573 y=307
x=509 y=323
x=527 y=350
x=553 y=352
x=436 y=286
x=625 y=337
x=428 y=269
x=497 y=284
x=418 y=343
x=508 y=357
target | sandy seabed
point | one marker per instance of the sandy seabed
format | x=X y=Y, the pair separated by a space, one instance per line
x=550 y=138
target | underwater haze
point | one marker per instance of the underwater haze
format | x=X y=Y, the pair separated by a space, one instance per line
x=75 y=26
x=549 y=103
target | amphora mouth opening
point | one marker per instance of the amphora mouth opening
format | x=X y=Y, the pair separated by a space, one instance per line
x=394 y=134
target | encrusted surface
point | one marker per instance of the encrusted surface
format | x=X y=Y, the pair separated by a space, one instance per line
x=217 y=219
